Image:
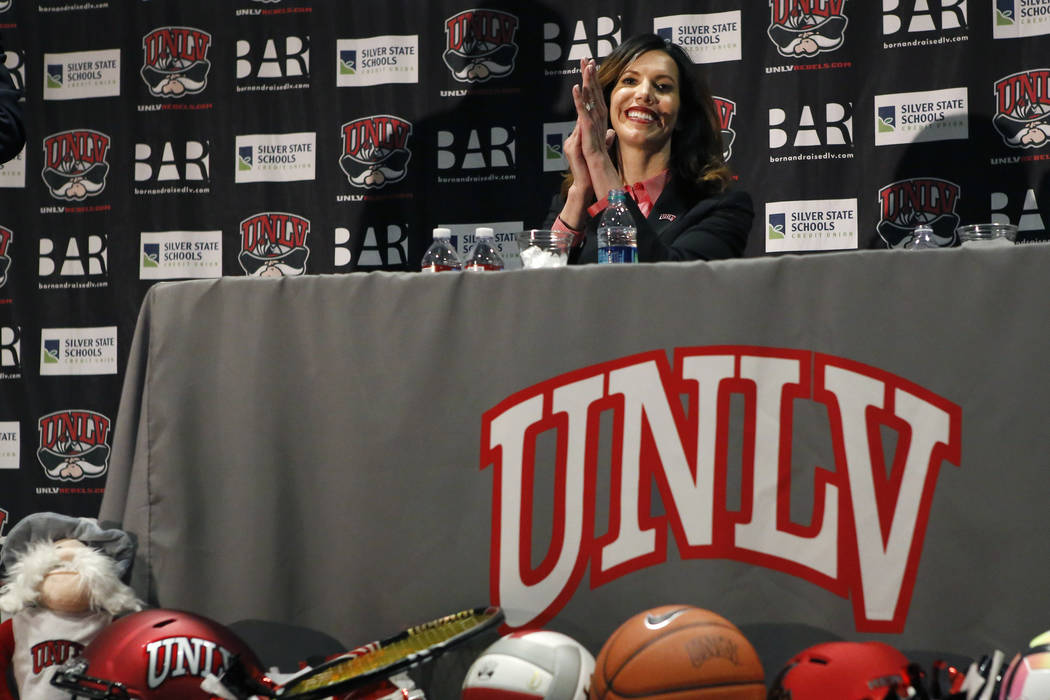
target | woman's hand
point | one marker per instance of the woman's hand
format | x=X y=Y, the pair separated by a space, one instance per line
x=592 y=126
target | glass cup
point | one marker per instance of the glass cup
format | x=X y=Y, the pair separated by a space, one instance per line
x=980 y=233
x=539 y=248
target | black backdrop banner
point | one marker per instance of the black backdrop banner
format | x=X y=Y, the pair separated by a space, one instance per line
x=183 y=139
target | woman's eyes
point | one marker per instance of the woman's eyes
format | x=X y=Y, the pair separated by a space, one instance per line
x=662 y=87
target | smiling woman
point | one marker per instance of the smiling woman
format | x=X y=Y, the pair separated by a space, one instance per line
x=646 y=121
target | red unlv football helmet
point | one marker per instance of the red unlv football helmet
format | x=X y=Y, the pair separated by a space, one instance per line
x=155 y=655
x=844 y=671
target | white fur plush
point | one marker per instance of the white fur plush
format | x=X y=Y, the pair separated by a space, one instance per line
x=99 y=574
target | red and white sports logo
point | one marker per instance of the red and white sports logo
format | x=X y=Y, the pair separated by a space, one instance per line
x=865 y=536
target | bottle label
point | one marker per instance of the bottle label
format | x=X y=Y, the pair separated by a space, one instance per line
x=479 y=267
x=618 y=254
x=434 y=267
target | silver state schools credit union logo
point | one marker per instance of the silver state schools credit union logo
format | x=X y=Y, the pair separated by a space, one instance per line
x=479 y=45
x=375 y=150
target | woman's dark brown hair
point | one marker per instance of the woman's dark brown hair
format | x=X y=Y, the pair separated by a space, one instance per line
x=696 y=145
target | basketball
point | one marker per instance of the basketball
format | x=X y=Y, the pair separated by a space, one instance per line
x=678 y=652
x=536 y=665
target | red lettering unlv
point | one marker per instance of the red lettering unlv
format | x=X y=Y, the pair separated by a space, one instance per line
x=53 y=652
x=866 y=531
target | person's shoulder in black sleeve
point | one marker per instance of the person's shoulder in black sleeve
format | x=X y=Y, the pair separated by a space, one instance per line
x=12 y=129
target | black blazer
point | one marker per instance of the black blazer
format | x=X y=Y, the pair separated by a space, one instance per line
x=12 y=131
x=681 y=226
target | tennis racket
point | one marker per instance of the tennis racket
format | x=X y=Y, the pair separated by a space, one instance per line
x=378 y=660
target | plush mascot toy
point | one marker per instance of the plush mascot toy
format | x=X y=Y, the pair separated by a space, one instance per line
x=61 y=586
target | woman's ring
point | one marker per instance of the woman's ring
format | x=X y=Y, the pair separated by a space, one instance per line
x=589 y=106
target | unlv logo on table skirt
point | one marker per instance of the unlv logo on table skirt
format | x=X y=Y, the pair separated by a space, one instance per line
x=726 y=111
x=375 y=150
x=75 y=163
x=175 y=61
x=1022 y=109
x=273 y=244
x=866 y=532
x=479 y=45
x=74 y=445
x=805 y=28
x=922 y=200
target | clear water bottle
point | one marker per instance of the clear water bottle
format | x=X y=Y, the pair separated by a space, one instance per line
x=484 y=256
x=617 y=234
x=921 y=237
x=441 y=256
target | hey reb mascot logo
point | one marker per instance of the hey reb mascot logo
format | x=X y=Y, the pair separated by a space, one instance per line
x=726 y=110
x=922 y=200
x=5 y=259
x=273 y=244
x=375 y=150
x=804 y=28
x=73 y=445
x=479 y=45
x=75 y=165
x=175 y=61
x=1022 y=109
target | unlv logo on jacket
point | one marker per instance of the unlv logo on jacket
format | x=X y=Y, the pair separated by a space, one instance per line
x=375 y=150
x=922 y=200
x=175 y=657
x=175 y=61
x=726 y=110
x=669 y=441
x=1022 y=109
x=273 y=244
x=53 y=652
x=74 y=444
x=804 y=28
x=5 y=259
x=479 y=45
x=75 y=163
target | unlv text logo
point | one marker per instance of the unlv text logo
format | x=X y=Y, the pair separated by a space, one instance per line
x=175 y=657
x=273 y=244
x=375 y=150
x=73 y=445
x=868 y=518
x=175 y=61
x=805 y=28
x=906 y=204
x=1022 y=109
x=479 y=45
x=75 y=163
x=726 y=110
x=53 y=653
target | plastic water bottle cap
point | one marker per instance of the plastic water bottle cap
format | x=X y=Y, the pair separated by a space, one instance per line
x=484 y=232
x=442 y=232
